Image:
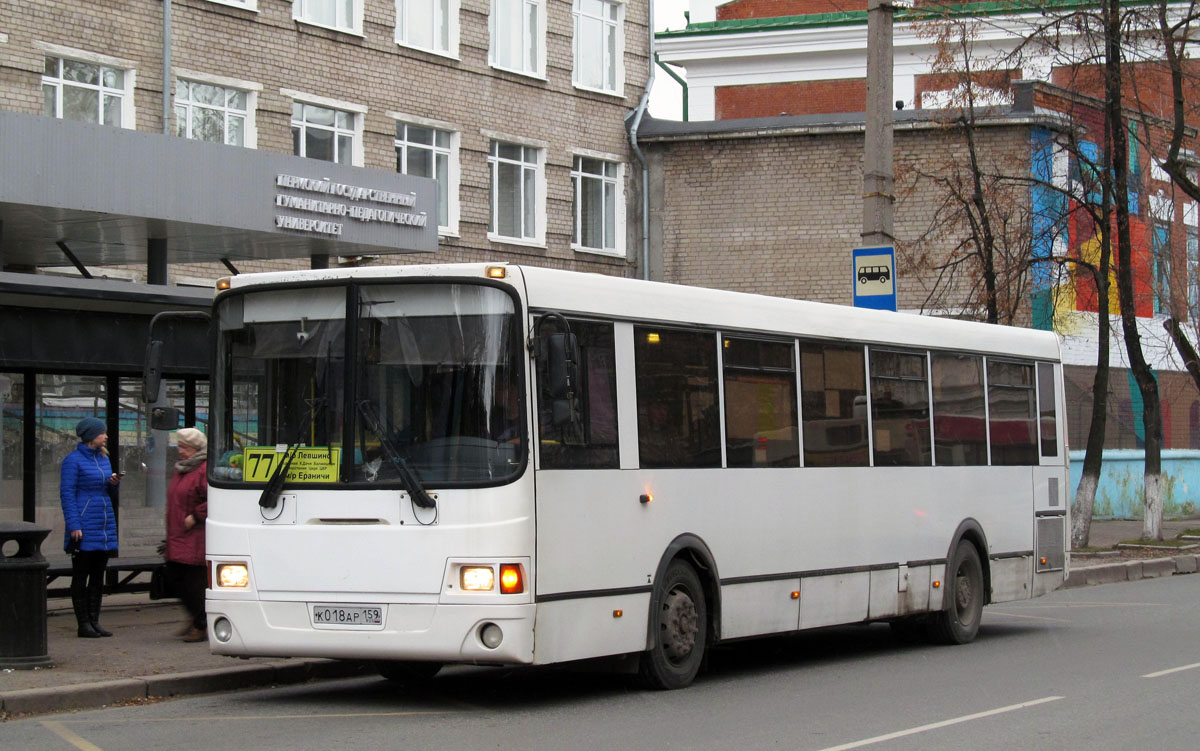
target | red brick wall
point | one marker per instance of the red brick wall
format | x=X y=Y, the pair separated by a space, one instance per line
x=742 y=9
x=799 y=98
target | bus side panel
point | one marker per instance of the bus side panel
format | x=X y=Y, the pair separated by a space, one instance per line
x=1011 y=578
x=759 y=608
x=591 y=627
x=829 y=600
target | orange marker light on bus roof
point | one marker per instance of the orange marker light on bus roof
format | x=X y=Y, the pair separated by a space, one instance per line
x=496 y=272
x=511 y=581
x=223 y=284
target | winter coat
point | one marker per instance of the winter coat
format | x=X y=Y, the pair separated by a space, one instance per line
x=187 y=494
x=86 y=503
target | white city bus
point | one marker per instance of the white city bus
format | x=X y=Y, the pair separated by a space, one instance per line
x=497 y=464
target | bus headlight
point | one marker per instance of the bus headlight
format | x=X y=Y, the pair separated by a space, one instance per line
x=477 y=578
x=233 y=575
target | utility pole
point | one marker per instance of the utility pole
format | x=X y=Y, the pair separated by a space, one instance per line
x=877 y=155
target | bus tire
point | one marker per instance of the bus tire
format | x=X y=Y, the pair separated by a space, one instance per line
x=407 y=672
x=958 y=620
x=678 y=630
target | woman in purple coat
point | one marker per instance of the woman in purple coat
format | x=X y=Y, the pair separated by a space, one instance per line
x=90 y=534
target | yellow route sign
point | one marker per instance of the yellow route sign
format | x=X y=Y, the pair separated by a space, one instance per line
x=310 y=464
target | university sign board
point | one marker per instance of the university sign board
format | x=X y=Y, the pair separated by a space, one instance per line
x=874 y=281
x=103 y=191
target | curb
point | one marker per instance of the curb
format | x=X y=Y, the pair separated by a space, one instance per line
x=1151 y=568
x=129 y=690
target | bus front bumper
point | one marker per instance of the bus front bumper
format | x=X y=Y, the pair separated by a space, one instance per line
x=431 y=632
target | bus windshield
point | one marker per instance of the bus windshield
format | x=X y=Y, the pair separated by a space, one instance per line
x=423 y=376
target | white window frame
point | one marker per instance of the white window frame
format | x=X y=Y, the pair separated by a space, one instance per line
x=451 y=15
x=249 y=88
x=243 y=4
x=618 y=181
x=450 y=229
x=357 y=111
x=538 y=239
x=301 y=10
x=538 y=67
x=618 y=27
x=127 y=67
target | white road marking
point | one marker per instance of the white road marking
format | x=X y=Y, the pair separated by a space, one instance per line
x=1161 y=673
x=942 y=724
x=75 y=740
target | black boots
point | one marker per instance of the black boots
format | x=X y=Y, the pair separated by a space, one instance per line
x=87 y=613
x=83 y=617
x=94 y=595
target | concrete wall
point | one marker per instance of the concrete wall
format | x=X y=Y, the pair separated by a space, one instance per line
x=1119 y=495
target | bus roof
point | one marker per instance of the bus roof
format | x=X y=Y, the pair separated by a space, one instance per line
x=598 y=295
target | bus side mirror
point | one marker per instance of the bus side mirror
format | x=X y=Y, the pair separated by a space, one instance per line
x=164 y=418
x=152 y=372
x=562 y=371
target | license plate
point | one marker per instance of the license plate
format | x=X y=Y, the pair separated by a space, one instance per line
x=347 y=616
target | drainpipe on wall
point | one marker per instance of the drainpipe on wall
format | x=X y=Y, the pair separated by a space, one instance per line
x=637 y=121
x=166 y=68
x=680 y=80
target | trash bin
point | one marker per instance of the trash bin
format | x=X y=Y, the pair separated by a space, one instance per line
x=23 y=597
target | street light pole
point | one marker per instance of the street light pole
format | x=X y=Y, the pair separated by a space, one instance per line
x=877 y=155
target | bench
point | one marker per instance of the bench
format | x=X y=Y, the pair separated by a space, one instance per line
x=118 y=576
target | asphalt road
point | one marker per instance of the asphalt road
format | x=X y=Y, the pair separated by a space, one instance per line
x=1106 y=667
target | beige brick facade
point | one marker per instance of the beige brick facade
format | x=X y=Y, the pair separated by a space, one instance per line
x=779 y=214
x=268 y=48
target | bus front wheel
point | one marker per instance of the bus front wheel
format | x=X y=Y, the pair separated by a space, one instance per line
x=407 y=672
x=958 y=621
x=679 y=630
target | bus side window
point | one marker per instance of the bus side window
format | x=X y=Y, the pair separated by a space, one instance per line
x=959 y=418
x=592 y=444
x=900 y=409
x=1012 y=413
x=1049 y=418
x=761 y=426
x=833 y=406
x=678 y=414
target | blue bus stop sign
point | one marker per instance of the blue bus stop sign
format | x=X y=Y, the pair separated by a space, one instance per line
x=875 y=278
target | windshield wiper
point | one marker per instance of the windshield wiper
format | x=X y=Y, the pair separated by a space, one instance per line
x=270 y=494
x=416 y=491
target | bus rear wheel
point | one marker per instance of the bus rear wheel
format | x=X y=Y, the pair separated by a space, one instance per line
x=958 y=621
x=679 y=630
x=407 y=672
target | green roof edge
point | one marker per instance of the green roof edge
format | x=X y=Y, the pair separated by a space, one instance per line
x=859 y=17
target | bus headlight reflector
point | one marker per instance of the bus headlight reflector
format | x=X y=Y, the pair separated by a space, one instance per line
x=491 y=635
x=233 y=575
x=477 y=578
x=511 y=581
x=222 y=629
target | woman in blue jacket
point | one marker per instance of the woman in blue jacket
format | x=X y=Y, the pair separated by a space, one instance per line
x=91 y=527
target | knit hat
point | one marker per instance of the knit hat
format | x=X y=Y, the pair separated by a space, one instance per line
x=90 y=427
x=191 y=438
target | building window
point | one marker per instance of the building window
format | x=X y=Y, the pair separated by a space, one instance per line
x=84 y=91
x=428 y=25
x=598 y=208
x=424 y=151
x=516 y=27
x=598 y=45
x=323 y=133
x=343 y=15
x=207 y=112
x=515 y=174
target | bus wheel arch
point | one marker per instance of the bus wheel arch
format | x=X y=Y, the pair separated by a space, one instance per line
x=971 y=531
x=966 y=588
x=672 y=658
